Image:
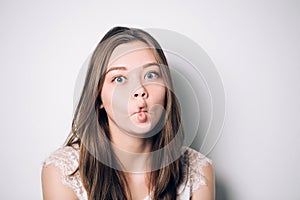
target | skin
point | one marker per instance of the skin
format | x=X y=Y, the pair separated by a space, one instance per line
x=133 y=95
x=52 y=186
x=206 y=192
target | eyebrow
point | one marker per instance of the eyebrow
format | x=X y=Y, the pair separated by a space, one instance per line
x=124 y=68
x=115 y=68
x=151 y=64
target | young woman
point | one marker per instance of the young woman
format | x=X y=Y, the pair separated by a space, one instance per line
x=126 y=138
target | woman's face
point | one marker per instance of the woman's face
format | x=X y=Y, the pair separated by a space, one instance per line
x=133 y=92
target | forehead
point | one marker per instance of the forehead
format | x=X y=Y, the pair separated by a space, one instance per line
x=133 y=54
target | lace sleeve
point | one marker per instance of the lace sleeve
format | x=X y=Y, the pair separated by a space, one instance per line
x=66 y=159
x=196 y=175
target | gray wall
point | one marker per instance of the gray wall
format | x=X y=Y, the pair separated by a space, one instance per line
x=254 y=45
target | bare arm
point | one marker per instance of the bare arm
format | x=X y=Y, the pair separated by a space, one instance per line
x=53 y=188
x=206 y=192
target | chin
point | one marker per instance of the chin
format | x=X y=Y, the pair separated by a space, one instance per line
x=144 y=130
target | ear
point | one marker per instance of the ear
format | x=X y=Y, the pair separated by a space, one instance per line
x=101 y=106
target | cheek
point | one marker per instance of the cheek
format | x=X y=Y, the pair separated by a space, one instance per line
x=106 y=98
x=115 y=100
x=157 y=94
x=107 y=94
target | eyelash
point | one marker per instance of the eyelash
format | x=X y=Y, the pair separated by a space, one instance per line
x=116 y=77
x=156 y=74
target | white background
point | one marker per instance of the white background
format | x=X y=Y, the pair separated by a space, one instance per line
x=255 y=46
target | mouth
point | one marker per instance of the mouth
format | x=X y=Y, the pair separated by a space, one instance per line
x=141 y=116
x=140 y=111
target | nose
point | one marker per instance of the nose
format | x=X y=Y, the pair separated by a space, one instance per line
x=140 y=93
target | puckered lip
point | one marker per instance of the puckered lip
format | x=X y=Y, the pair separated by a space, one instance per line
x=139 y=111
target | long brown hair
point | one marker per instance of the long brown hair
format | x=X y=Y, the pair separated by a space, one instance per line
x=90 y=129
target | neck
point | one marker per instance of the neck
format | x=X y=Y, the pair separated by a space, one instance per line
x=133 y=152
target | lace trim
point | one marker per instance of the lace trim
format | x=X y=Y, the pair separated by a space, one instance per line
x=195 y=168
x=66 y=159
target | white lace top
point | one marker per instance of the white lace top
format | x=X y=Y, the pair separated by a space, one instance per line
x=66 y=159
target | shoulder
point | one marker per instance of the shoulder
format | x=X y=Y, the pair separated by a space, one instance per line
x=195 y=157
x=200 y=172
x=66 y=158
x=56 y=182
